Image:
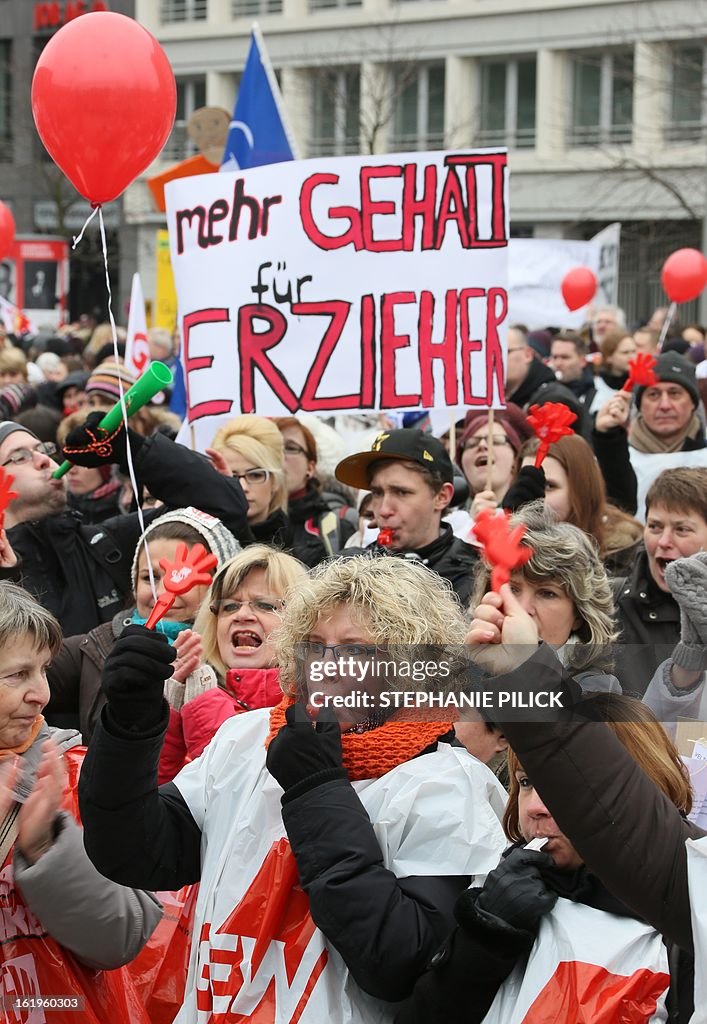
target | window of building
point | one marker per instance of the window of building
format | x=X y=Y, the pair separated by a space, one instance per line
x=507 y=116
x=182 y=10
x=336 y=109
x=602 y=98
x=322 y=5
x=255 y=8
x=5 y=100
x=418 y=117
x=687 y=94
x=191 y=94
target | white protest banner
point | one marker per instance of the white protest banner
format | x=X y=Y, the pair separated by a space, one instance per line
x=137 y=350
x=536 y=267
x=343 y=285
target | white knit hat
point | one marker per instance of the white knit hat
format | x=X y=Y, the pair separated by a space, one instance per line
x=218 y=539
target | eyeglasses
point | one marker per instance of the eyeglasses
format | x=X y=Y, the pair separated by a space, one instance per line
x=231 y=607
x=21 y=455
x=317 y=650
x=253 y=476
x=292 y=448
x=473 y=443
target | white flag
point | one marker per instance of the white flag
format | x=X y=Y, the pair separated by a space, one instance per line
x=137 y=351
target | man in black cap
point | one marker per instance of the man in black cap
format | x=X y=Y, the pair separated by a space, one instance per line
x=409 y=475
x=81 y=573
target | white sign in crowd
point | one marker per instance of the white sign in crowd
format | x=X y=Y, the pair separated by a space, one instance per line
x=342 y=285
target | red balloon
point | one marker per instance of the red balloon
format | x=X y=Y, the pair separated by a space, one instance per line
x=103 y=100
x=579 y=287
x=684 y=275
x=7 y=231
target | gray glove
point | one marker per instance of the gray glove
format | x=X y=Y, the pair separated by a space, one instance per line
x=687 y=579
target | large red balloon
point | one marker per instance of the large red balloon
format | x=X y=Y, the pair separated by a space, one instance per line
x=103 y=100
x=7 y=231
x=579 y=287
x=684 y=275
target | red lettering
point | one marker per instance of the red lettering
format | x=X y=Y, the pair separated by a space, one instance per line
x=451 y=207
x=339 y=313
x=215 y=407
x=99 y=5
x=445 y=350
x=252 y=346
x=368 y=359
x=390 y=343
x=424 y=206
x=468 y=344
x=353 y=233
x=498 y=163
x=371 y=208
x=494 y=356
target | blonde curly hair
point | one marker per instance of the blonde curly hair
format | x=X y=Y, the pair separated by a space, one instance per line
x=259 y=441
x=398 y=602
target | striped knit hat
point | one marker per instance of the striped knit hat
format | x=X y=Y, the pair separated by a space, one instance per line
x=218 y=539
x=105 y=380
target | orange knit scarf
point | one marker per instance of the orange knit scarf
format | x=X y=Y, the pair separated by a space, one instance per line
x=369 y=755
x=11 y=751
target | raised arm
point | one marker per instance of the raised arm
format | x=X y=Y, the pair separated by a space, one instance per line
x=135 y=832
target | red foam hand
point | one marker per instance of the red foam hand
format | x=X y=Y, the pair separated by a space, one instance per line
x=502 y=546
x=189 y=569
x=550 y=422
x=385 y=537
x=6 y=493
x=641 y=371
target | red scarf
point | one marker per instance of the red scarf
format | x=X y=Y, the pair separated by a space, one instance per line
x=369 y=755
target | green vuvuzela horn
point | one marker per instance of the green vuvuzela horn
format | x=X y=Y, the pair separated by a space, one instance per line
x=156 y=377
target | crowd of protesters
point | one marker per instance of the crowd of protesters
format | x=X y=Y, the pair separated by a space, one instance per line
x=190 y=832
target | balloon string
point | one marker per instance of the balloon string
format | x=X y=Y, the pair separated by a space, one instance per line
x=666 y=324
x=78 y=237
x=116 y=354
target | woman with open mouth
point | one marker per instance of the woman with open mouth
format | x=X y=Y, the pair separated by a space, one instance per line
x=236 y=668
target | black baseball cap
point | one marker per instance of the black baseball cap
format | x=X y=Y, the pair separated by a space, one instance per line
x=408 y=445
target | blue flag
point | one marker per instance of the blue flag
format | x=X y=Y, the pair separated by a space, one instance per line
x=258 y=134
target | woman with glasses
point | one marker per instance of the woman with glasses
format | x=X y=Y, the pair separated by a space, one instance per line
x=320 y=527
x=232 y=640
x=488 y=486
x=328 y=861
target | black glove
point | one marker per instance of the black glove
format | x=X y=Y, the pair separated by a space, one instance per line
x=89 y=445
x=515 y=891
x=527 y=486
x=302 y=750
x=133 y=678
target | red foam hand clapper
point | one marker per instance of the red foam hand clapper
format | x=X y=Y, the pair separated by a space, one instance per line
x=641 y=371
x=550 y=422
x=6 y=494
x=189 y=569
x=502 y=546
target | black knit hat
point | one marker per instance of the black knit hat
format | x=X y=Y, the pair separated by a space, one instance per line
x=8 y=427
x=406 y=445
x=672 y=368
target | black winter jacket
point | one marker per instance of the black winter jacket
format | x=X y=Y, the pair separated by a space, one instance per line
x=307 y=517
x=465 y=974
x=81 y=573
x=451 y=558
x=385 y=928
x=649 y=621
